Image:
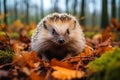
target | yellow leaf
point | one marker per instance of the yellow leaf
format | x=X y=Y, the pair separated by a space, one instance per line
x=64 y=73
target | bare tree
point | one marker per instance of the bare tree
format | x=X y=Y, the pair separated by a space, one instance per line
x=0 y=7
x=119 y=11
x=22 y=12
x=104 y=16
x=0 y=10
x=56 y=9
x=5 y=11
x=27 y=10
x=15 y=8
x=41 y=8
x=113 y=9
x=74 y=7
x=52 y=6
x=66 y=3
x=94 y=14
x=36 y=9
x=82 y=15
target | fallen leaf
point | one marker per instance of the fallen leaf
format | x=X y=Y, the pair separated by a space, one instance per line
x=34 y=76
x=102 y=49
x=88 y=51
x=55 y=62
x=115 y=23
x=106 y=35
x=62 y=73
x=29 y=59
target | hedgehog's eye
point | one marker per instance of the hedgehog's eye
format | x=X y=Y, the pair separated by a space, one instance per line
x=54 y=32
x=68 y=32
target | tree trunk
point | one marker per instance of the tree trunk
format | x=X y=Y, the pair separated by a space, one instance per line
x=104 y=16
x=0 y=7
x=22 y=13
x=82 y=15
x=94 y=14
x=5 y=11
x=56 y=9
x=74 y=7
x=0 y=10
x=15 y=7
x=113 y=9
x=67 y=7
x=36 y=8
x=119 y=11
x=27 y=10
x=42 y=9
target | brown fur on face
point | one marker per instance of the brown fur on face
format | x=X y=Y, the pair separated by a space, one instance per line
x=45 y=39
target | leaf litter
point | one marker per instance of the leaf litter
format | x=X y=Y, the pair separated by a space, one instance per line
x=27 y=65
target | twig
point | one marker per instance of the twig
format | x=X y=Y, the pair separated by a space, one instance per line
x=5 y=65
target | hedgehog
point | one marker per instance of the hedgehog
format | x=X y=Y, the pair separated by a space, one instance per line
x=58 y=35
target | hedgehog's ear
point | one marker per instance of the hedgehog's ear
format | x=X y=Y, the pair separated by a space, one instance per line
x=44 y=24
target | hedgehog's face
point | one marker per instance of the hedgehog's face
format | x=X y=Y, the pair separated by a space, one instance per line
x=59 y=31
x=58 y=37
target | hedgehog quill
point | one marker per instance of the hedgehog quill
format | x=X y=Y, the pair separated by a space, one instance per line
x=57 y=36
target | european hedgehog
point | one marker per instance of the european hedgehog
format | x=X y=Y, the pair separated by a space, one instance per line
x=58 y=35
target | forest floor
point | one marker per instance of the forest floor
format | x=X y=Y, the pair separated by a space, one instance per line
x=100 y=59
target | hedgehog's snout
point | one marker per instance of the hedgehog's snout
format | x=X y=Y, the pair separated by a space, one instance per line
x=60 y=40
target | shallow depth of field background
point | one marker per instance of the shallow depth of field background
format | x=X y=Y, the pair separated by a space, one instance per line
x=90 y=13
x=100 y=21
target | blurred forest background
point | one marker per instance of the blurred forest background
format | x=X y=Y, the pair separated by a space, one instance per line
x=100 y=20
x=90 y=13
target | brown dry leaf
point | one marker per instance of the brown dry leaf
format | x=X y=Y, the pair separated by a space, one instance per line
x=23 y=37
x=18 y=46
x=4 y=39
x=102 y=49
x=115 y=23
x=2 y=26
x=55 y=62
x=28 y=59
x=31 y=26
x=106 y=35
x=35 y=76
x=105 y=43
x=78 y=62
x=17 y=23
x=88 y=51
x=66 y=74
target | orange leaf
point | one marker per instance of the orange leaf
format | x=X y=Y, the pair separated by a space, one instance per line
x=87 y=52
x=55 y=62
x=106 y=35
x=102 y=49
x=66 y=74
x=34 y=76
x=28 y=59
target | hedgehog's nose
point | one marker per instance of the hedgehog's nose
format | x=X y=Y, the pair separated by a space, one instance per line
x=60 y=40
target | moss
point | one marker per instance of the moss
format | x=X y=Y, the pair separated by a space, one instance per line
x=14 y=35
x=6 y=56
x=2 y=33
x=107 y=67
x=92 y=34
x=31 y=32
x=89 y=34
